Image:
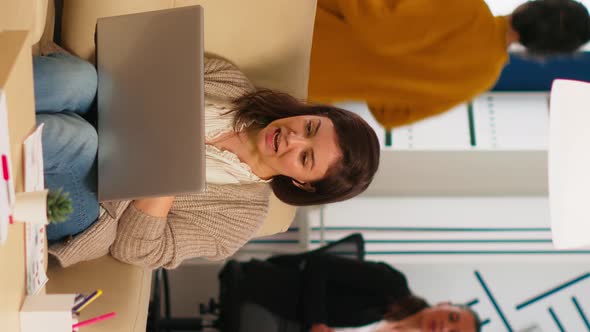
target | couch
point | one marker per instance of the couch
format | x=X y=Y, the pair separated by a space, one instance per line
x=269 y=39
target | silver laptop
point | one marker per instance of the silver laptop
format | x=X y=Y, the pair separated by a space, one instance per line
x=150 y=104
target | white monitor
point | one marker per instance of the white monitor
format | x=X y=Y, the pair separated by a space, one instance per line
x=569 y=164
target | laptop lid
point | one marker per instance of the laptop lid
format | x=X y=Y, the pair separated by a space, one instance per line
x=150 y=104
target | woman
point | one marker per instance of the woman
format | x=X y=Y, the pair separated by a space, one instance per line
x=412 y=59
x=307 y=154
x=328 y=293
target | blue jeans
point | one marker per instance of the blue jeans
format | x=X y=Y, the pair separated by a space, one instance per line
x=65 y=87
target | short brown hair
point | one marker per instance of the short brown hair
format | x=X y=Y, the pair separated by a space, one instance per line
x=551 y=27
x=401 y=309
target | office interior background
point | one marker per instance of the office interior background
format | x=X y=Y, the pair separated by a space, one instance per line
x=460 y=206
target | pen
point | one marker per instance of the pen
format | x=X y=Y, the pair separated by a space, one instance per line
x=5 y=174
x=94 y=320
x=79 y=298
x=7 y=180
x=77 y=308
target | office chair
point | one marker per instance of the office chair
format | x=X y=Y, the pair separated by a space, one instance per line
x=232 y=314
x=352 y=246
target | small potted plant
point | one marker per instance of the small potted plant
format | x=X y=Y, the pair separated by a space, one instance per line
x=59 y=206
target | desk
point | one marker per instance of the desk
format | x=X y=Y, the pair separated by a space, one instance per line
x=16 y=79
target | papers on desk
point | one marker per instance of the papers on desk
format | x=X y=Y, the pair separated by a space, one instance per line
x=35 y=256
x=6 y=184
x=35 y=231
x=34 y=179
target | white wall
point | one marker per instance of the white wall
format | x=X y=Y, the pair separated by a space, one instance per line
x=495 y=145
x=505 y=7
x=507 y=121
x=431 y=230
x=481 y=232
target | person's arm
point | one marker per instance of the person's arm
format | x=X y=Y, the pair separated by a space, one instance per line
x=392 y=116
x=323 y=270
x=212 y=225
x=224 y=80
x=157 y=207
x=154 y=242
x=392 y=27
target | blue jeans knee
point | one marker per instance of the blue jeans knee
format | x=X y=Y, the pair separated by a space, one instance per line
x=63 y=82
x=70 y=145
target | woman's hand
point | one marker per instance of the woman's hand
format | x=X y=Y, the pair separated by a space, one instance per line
x=155 y=206
x=321 y=328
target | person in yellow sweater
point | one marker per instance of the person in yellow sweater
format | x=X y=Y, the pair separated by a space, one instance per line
x=410 y=59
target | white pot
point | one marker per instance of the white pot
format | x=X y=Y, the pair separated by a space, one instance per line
x=31 y=207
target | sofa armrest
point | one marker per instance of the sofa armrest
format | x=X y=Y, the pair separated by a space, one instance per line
x=27 y=15
x=44 y=10
x=270 y=40
x=278 y=219
x=126 y=290
x=79 y=17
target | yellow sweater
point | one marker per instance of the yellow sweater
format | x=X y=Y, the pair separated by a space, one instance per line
x=408 y=59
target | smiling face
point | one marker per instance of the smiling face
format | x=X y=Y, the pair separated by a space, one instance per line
x=447 y=318
x=300 y=147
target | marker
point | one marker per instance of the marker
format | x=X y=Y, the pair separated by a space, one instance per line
x=94 y=320
x=79 y=298
x=77 y=308
x=8 y=182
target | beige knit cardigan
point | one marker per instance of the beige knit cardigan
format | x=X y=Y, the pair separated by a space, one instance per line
x=212 y=225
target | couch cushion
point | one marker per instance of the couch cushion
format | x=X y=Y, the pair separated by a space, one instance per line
x=27 y=15
x=126 y=290
x=279 y=218
x=79 y=20
x=273 y=50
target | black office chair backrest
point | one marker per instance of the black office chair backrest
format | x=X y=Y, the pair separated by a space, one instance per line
x=352 y=246
x=238 y=316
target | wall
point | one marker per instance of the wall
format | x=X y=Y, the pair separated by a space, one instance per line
x=494 y=145
x=460 y=201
